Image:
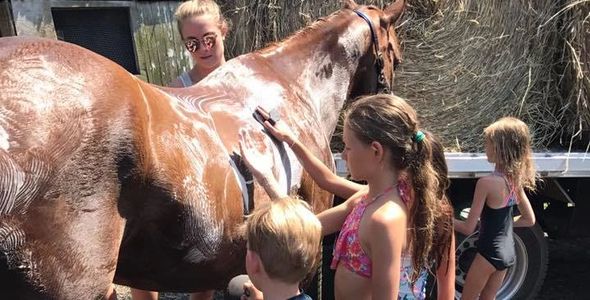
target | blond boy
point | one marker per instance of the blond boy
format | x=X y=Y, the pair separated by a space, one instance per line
x=283 y=247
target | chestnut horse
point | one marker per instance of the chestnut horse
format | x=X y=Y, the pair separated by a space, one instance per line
x=104 y=177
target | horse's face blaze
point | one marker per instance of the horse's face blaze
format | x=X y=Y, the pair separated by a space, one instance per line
x=388 y=40
x=389 y=50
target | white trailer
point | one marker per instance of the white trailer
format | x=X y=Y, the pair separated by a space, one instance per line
x=560 y=208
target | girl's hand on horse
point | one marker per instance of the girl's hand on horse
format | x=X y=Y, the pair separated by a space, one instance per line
x=278 y=129
x=254 y=156
x=260 y=162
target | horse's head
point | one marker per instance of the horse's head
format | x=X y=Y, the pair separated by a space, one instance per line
x=376 y=68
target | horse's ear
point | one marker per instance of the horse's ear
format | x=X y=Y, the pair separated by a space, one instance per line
x=393 y=11
x=349 y=4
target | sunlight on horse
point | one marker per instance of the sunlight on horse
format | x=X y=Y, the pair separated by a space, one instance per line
x=104 y=176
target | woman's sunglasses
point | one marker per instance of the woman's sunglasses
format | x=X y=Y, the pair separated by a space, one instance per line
x=194 y=44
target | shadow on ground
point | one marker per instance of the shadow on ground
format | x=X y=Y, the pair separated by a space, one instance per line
x=568 y=275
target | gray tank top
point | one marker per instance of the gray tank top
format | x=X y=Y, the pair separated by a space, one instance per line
x=185 y=79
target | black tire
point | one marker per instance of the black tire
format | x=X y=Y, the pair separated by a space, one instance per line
x=538 y=253
x=523 y=280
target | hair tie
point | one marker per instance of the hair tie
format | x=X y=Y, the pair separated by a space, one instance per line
x=419 y=136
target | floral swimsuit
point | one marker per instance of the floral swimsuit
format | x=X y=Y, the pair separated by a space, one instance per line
x=350 y=254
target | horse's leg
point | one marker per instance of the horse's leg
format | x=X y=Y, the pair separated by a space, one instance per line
x=74 y=245
x=15 y=262
x=137 y=294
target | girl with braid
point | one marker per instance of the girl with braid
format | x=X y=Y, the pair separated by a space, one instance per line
x=393 y=229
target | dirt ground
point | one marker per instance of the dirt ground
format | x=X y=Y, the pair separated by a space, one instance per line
x=124 y=293
x=568 y=275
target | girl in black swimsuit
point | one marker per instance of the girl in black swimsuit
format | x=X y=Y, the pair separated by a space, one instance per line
x=508 y=147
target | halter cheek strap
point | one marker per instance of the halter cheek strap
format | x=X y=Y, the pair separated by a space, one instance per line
x=381 y=83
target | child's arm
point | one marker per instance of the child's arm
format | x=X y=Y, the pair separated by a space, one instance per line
x=527 y=215
x=445 y=275
x=260 y=167
x=387 y=232
x=333 y=218
x=479 y=199
x=321 y=174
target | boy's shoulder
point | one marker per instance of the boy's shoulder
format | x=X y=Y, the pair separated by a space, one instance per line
x=301 y=296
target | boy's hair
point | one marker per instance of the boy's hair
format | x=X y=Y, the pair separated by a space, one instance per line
x=511 y=143
x=194 y=8
x=286 y=235
x=393 y=123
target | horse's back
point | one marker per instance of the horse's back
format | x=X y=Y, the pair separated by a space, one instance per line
x=233 y=91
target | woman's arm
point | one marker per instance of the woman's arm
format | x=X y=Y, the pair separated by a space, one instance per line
x=386 y=239
x=445 y=275
x=319 y=172
x=479 y=199
x=527 y=215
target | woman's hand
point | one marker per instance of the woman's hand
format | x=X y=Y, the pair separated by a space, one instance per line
x=260 y=163
x=278 y=129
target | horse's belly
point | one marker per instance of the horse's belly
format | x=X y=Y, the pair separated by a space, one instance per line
x=184 y=276
x=189 y=244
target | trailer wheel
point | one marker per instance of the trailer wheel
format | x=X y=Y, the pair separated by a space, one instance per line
x=524 y=279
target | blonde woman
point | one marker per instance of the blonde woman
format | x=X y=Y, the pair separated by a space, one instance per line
x=202 y=28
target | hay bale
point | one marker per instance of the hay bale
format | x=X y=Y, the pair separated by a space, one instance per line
x=259 y=22
x=575 y=73
x=466 y=62
x=472 y=62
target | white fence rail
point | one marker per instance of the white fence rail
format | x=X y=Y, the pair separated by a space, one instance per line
x=473 y=165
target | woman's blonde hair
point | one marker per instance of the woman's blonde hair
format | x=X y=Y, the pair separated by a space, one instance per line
x=192 y=8
x=286 y=235
x=511 y=143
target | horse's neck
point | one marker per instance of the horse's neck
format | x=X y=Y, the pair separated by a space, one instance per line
x=322 y=62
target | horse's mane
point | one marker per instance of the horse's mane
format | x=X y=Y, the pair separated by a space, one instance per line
x=311 y=29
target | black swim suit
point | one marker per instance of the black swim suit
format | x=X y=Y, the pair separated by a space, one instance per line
x=496 y=237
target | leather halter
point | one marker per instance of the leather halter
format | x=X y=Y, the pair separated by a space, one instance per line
x=381 y=83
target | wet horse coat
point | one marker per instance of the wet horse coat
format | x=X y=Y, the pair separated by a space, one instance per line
x=104 y=176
